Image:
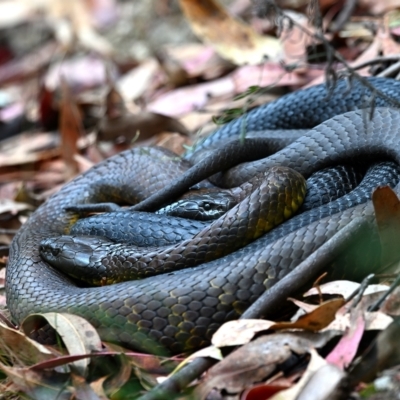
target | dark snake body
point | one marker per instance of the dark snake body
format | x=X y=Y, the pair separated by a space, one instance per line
x=181 y=311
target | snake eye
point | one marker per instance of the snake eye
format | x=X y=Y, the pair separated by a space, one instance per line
x=55 y=251
x=207 y=206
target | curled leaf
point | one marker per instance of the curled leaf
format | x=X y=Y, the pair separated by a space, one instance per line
x=77 y=334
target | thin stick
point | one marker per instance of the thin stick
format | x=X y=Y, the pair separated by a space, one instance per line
x=377 y=60
x=344 y=15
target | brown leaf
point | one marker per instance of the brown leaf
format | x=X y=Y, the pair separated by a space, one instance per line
x=37 y=385
x=77 y=334
x=387 y=213
x=25 y=351
x=27 y=148
x=391 y=306
x=244 y=366
x=229 y=36
x=317 y=319
x=255 y=361
x=200 y=60
x=121 y=376
x=175 y=73
x=140 y=80
x=29 y=65
x=71 y=130
x=294 y=40
x=172 y=141
x=72 y=20
x=48 y=112
x=97 y=387
x=82 y=389
x=119 y=125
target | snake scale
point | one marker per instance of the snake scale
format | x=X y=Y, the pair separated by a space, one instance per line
x=180 y=311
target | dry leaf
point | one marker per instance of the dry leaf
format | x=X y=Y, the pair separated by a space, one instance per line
x=77 y=334
x=194 y=97
x=37 y=385
x=119 y=125
x=378 y=7
x=10 y=206
x=344 y=288
x=175 y=73
x=391 y=306
x=315 y=364
x=294 y=40
x=344 y=352
x=389 y=45
x=82 y=389
x=249 y=364
x=88 y=71
x=256 y=360
x=200 y=60
x=230 y=37
x=234 y=333
x=71 y=19
x=381 y=354
x=138 y=81
x=71 y=130
x=29 y=351
x=316 y=320
x=120 y=377
x=373 y=321
x=387 y=213
x=29 y=65
x=97 y=387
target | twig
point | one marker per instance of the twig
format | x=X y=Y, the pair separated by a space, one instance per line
x=377 y=305
x=332 y=55
x=377 y=60
x=358 y=293
x=390 y=70
x=344 y=15
x=180 y=380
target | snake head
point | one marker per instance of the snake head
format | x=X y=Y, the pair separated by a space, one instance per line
x=74 y=255
x=201 y=207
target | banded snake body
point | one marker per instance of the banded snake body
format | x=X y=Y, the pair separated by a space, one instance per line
x=180 y=311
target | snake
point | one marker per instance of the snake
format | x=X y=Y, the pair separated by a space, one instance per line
x=267 y=200
x=179 y=311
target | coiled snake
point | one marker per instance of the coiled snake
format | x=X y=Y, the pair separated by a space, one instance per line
x=181 y=310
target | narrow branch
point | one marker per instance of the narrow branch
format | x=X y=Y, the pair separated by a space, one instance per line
x=344 y=15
